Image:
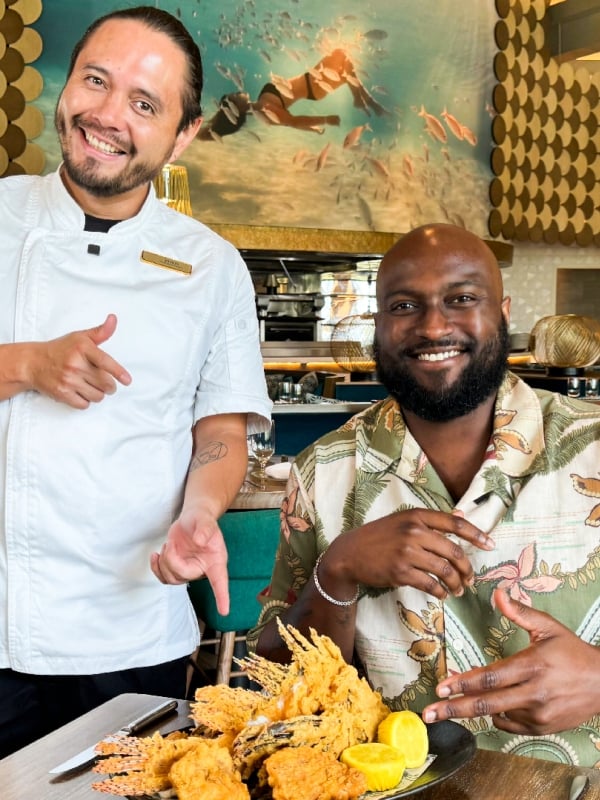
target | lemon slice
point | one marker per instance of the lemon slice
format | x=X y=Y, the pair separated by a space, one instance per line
x=383 y=765
x=407 y=732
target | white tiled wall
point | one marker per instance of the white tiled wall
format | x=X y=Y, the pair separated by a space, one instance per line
x=531 y=280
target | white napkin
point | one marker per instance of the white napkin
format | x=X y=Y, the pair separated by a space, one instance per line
x=279 y=472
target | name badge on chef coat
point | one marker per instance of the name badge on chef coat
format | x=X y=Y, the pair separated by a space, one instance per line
x=165 y=262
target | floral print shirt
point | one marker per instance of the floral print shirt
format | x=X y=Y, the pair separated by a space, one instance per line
x=537 y=493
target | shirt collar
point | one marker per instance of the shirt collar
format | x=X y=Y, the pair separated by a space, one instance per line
x=517 y=439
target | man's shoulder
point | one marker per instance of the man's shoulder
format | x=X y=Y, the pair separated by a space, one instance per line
x=519 y=395
x=553 y=403
x=356 y=433
x=16 y=192
x=183 y=225
x=12 y=184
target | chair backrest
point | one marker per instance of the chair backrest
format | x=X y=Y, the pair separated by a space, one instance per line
x=251 y=538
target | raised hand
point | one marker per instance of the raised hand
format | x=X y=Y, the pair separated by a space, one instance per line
x=73 y=369
x=549 y=686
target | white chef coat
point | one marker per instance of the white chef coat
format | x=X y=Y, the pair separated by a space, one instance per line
x=86 y=496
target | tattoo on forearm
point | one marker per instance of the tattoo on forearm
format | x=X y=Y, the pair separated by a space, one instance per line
x=214 y=451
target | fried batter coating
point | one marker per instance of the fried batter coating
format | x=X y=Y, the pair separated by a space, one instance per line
x=223 y=709
x=320 y=700
x=312 y=775
x=207 y=773
x=147 y=762
x=317 y=703
x=316 y=681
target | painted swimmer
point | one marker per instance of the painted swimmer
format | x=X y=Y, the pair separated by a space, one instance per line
x=275 y=98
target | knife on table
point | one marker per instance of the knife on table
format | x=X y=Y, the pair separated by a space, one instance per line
x=87 y=757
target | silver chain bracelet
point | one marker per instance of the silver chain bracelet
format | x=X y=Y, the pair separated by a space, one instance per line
x=324 y=594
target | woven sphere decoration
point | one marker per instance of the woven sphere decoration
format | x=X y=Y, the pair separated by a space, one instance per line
x=352 y=343
x=565 y=340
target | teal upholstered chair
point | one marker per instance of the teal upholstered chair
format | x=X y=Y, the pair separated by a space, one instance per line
x=251 y=538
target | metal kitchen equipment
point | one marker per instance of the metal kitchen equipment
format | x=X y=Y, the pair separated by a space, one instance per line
x=288 y=317
x=284 y=312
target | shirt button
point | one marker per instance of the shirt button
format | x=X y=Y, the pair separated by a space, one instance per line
x=458 y=644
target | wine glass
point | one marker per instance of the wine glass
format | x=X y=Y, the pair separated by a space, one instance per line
x=263 y=447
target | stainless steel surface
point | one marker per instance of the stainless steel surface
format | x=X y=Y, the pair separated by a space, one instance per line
x=289 y=304
x=292 y=329
x=87 y=756
x=293 y=261
x=288 y=316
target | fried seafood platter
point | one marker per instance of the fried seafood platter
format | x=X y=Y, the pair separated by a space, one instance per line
x=282 y=742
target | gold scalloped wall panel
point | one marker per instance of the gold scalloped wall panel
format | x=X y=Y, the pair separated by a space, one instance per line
x=20 y=84
x=546 y=135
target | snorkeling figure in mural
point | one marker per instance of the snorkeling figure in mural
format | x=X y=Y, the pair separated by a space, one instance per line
x=274 y=99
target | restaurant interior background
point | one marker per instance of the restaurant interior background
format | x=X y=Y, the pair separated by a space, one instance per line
x=445 y=74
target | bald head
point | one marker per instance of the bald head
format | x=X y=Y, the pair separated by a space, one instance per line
x=442 y=325
x=438 y=246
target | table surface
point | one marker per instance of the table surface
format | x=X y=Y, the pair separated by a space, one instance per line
x=488 y=776
x=251 y=496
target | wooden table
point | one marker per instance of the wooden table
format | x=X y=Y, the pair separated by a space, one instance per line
x=24 y=774
x=488 y=776
x=251 y=496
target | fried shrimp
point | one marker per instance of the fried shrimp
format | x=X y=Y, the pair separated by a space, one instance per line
x=306 y=714
x=318 y=700
x=143 y=766
x=223 y=712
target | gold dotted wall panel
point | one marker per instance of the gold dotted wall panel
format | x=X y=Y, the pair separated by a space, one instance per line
x=546 y=135
x=20 y=84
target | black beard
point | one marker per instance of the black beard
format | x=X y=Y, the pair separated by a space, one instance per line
x=86 y=175
x=479 y=380
x=86 y=178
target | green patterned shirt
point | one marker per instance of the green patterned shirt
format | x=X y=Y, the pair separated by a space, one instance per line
x=537 y=493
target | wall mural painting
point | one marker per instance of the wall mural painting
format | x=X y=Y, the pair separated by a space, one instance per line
x=349 y=115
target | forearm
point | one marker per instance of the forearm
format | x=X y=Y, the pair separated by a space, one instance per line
x=313 y=610
x=218 y=465
x=14 y=368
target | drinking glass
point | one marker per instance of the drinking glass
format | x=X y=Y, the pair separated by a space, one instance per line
x=263 y=447
x=592 y=387
x=286 y=391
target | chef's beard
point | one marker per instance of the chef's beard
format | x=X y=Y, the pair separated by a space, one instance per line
x=89 y=175
x=479 y=380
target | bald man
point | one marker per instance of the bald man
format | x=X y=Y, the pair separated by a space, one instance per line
x=441 y=537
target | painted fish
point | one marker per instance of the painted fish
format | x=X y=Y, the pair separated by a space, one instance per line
x=454 y=125
x=365 y=213
x=322 y=157
x=351 y=79
x=331 y=74
x=380 y=168
x=433 y=126
x=268 y=115
x=352 y=138
x=231 y=111
x=375 y=35
x=469 y=136
x=283 y=86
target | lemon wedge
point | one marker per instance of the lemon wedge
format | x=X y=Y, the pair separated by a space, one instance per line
x=407 y=732
x=382 y=765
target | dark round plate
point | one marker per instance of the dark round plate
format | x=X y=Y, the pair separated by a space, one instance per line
x=453 y=745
